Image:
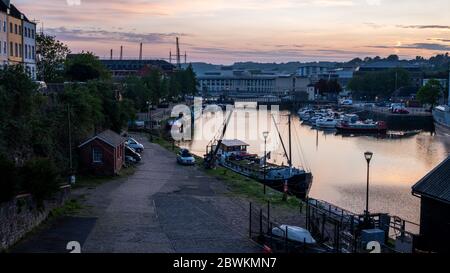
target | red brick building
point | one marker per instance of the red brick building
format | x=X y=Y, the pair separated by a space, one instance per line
x=102 y=154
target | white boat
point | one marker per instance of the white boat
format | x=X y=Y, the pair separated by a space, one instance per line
x=294 y=233
x=326 y=123
x=305 y=114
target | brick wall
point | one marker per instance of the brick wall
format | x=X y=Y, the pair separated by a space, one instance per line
x=20 y=215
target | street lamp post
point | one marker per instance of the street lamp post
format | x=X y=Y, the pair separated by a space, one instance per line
x=265 y=135
x=149 y=109
x=368 y=156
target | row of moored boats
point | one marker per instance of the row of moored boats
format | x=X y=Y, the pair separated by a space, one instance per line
x=340 y=121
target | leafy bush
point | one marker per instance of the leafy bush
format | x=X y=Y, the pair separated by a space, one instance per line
x=8 y=180
x=40 y=178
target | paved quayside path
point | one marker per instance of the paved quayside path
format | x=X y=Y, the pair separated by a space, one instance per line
x=162 y=208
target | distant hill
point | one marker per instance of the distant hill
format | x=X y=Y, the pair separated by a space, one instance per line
x=435 y=64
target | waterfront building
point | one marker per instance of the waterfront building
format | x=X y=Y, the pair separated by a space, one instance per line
x=314 y=69
x=250 y=83
x=434 y=193
x=124 y=68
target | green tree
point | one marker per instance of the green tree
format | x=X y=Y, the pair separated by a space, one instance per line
x=51 y=55
x=430 y=92
x=84 y=67
x=17 y=113
x=379 y=84
x=190 y=81
x=40 y=178
x=8 y=181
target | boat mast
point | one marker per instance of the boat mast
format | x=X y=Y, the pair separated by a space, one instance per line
x=282 y=142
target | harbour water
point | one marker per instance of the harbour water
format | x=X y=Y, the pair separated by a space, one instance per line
x=338 y=165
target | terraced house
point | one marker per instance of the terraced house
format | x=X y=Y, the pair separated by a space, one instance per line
x=18 y=38
x=3 y=35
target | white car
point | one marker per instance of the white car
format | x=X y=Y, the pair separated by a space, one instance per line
x=185 y=157
x=133 y=143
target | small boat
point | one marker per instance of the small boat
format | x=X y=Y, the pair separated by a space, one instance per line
x=400 y=135
x=305 y=114
x=294 y=233
x=362 y=127
x=328 y=123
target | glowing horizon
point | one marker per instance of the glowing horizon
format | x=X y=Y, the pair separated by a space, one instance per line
x=223 y=32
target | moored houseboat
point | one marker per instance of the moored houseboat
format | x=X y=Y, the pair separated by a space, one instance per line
x=233 y=155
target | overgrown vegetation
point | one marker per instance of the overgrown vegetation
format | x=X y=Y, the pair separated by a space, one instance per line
x=430 y=92
x=156 y=88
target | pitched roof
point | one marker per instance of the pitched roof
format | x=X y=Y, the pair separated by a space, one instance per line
x=436 y=184
x=3 y=6
x=108 y=136
x=233 y=142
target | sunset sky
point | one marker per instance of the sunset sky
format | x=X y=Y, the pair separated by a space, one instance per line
x=225 y=31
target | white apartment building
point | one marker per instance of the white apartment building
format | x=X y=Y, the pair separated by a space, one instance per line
x=314 y=69
x=247 y=83
x=29 y=50
x=236 y=83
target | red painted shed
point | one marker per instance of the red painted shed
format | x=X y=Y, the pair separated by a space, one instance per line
x=102 y=154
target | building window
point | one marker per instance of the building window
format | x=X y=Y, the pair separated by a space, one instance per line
x=97 y=155
x=15 y=29
x=11 y=27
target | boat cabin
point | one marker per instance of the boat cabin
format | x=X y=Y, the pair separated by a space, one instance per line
x=233 y=147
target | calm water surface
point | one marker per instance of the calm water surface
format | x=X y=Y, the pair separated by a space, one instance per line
x=339 y=167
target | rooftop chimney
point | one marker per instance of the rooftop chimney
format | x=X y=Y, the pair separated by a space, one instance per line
x=121 y=52
x=111 y=56
x=140 y=52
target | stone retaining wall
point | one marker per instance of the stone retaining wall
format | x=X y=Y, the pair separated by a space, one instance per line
x=20 y=215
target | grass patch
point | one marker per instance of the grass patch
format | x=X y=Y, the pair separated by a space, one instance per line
x=252 y=189
x=71 y=207
x=89 y=181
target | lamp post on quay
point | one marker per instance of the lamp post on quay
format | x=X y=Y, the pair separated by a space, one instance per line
x=368 y=156
x=265 y=135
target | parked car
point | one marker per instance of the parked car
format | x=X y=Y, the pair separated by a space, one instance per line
x=129 y=160
x=400 y=111
x=131 y=152
x=185 y=157
x=133 y=143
